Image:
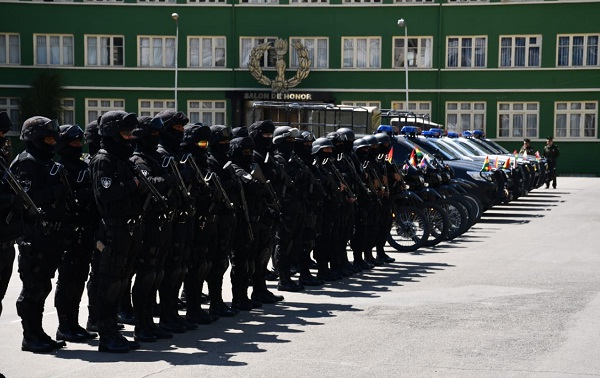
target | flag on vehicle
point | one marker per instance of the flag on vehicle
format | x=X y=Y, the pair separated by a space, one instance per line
x=506 y=164
x=516 y=157
x=486 y=165
x=390 y=155
x=412 y=160
x=496 y=164
x=537 y=155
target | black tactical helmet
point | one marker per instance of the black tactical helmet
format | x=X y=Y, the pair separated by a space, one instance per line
x=261 y=127
x=335 y=138
x=239 y=144
x=39 y=127
x=219 y=133
x=5 y=122
x=284 y=132
x=67 y=134
x=193 y=134
x=147 y=126
x=171 y=118
x=370 y=140
x=360 y=142
x=115 y=121
x=346 y=134
x=306 y=136
x=239 y=132
x=383 y=138
x=321 y=143
x=91 y=132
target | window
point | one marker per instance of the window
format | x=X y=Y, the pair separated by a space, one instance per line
x=104 y=50
x=53 y=49
x=419 y=51
x=12 y=106
x=413 y=1
x=466 y=52
x=520 y=51
x=95 y=107
x=156 y=51
x=318 y=52
x=206 y=52
x=362 y=1
x=463 y=116
x=577 y=50
x=246 y=45
x=208 y=112
x=67 y=116
x=575 y=119
x=259 y=1
x=518 y=119
x=359 y=52
x=157 y=1
x=206 y=1
x=420 y=108
x=104 y=1
x=150 y=108
x=10 y=49
x=376 y=104
x=309 y=1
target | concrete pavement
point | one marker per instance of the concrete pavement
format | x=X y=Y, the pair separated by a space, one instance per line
x=518 y=295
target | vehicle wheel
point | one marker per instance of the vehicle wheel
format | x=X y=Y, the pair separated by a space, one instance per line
x=438 y=223
x=457 y=217
x=469 y=208
x=410 y=229
x=477 y=204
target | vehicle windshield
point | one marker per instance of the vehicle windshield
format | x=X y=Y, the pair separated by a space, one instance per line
x=433 y=144
x=458 y=150
x=496 y=145
x=484 y=147
x=471 y=149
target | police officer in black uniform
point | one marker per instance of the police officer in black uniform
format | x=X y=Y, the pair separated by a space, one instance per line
x=261 y=133
x=227 y=214
x=119 y=201
x=293 y=206
x=154 y=226
x=40 y=251
x=182 y=225
x=11 y=213
x=195 y=147
x=80 y=226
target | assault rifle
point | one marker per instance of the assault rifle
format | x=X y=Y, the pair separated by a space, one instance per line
x=15 y=185
x=258 y=174
x=229 y=167
x=151 y=188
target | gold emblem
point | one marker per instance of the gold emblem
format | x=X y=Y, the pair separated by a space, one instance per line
x=280 y=84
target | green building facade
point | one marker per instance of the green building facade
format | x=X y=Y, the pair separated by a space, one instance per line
x=514 y=68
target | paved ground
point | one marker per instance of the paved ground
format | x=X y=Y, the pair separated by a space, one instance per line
x=516 y=296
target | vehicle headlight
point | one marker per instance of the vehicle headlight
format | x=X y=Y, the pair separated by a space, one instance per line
x=480 y=176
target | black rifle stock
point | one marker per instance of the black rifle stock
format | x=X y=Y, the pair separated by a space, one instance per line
x=155 y=193
x=15 y=185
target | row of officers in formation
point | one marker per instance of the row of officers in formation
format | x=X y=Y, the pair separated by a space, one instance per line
x=161 y=207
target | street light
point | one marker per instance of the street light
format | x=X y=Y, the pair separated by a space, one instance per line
x=402 y=24
x=175 y=17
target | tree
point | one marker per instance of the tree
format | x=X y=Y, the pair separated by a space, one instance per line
x=43 y=98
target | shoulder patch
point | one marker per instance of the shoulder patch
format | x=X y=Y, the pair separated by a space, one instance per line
x=26 y=184
x=106 y=182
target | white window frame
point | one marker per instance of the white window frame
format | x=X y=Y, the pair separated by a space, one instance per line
x=376 y=104
x=517 y=120
x=209 y=112
x=465 y=115
x=61 y=54
x=158 y=1
x=259 y=1
x=464 y=60
x=362 y=2
x=103 y=1
x=151 y=107
x=112 y=48
x=370 y=58
x=576 y=119
x=531 y=50
x=315 y=46
x=95 y=107
x=12 y=106
x=246 y=45
x=587 y=52
x=308 y=2
x=166 y=57
x=205 y=51
x=10 y=56
x=421 y=108
x=413 y=1
x=206 y=1
x=421 y=49
x=67 y=115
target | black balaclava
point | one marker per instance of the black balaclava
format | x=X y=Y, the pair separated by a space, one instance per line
x=256 y=131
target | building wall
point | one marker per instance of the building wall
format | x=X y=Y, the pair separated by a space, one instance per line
x=437 y=85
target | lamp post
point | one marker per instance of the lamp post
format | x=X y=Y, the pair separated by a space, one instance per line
x=402 y=24
x=175 y=17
